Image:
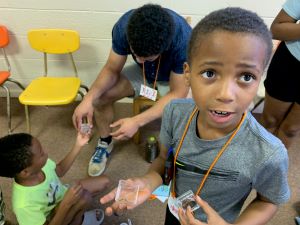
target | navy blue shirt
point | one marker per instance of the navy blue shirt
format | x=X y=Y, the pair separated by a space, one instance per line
x=172 y=59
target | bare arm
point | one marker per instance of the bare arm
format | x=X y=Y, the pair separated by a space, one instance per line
x=178 y=89
x=258 y=212
x=59 y=217
x=157 y=169
x=64 y=165
x=147 y=183
x=69 y=207
x=285 y=27
x=127 y=127
x=107 y=77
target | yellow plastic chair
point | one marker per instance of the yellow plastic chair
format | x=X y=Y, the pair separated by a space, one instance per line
x=58 y=90
x=5 y=74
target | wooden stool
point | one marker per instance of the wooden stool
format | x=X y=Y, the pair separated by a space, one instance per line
x=139 y=104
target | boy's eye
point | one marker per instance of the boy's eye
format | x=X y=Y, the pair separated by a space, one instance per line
x=247 y=78
x=208 y=74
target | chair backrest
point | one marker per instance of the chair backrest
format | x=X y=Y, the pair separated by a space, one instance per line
x=54 y=41
x=4 y=41
x=4 y=38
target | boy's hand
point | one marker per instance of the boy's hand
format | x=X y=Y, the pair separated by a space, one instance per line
x=82 y=139
x=84 y=109
x=118 y=208
x=213 y=218
x=73 y=194
x=127 y=127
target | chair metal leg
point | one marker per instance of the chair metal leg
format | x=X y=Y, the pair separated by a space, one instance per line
x=17 y=83
x=81 y=94
x=27 y=119
x=8 y=108
x=84 y=87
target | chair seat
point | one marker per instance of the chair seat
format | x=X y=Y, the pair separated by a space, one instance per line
x=50 y=91
x=3 y=76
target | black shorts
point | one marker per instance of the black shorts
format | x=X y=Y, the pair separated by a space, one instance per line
x=283 y=76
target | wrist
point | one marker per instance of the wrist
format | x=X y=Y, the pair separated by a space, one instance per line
x=64 y=206
x=139 y=120
x=77 y=147
x=153 y=180
x=89 y=98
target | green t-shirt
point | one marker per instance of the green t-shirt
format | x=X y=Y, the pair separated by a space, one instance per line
x=32 y=205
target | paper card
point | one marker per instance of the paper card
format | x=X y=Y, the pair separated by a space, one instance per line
x=148 y=92
x=162 y=190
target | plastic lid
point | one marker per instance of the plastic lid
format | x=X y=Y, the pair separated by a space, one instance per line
x=151 y=139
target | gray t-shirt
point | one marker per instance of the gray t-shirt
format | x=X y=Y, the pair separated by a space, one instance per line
x=255 y=159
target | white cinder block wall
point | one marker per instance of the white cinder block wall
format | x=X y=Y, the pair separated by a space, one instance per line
x=93 y=19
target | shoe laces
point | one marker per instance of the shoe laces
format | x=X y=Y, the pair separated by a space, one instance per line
x=99 y=154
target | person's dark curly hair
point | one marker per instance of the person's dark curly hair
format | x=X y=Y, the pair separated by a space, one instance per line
x=15 y=154
x=231 y=19
x=150 y=30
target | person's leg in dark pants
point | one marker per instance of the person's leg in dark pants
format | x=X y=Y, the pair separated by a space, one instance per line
x=170 y=219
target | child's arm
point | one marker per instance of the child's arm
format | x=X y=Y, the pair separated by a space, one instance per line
x=156 y=169
x=66 y=212
x=64 y=165
x=285 y=28
x=147 y=184
x=258 y=212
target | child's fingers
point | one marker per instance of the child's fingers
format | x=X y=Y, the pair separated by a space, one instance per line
x=108 y=211
x=191 y=218
x=182 y=217
x=187 y=217
x=117 y=123
x=210 y=212
x=108 y=197
x=115 y=209
x=78 y=189
x=90 y=119
x=119 y=135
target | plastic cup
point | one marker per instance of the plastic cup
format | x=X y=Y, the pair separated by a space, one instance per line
x=127 y=193
x=187 y=199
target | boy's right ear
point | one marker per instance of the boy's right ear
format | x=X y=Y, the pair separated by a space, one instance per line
x=187 y=74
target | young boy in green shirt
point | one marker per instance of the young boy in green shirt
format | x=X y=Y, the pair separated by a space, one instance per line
x=38 y=196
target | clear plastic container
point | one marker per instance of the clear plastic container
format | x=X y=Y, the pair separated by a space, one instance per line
x=85 y=127
x=187 y=199
x=127 y=192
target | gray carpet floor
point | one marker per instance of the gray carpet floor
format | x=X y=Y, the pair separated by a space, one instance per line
x=53 y=127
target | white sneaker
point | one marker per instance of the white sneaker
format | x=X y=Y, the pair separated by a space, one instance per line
x=297 y=220
x=98 y=161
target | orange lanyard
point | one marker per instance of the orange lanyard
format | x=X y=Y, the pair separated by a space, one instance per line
x=144 y=75
x=216 y=158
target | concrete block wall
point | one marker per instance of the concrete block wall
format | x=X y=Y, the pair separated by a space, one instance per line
x=93 y=19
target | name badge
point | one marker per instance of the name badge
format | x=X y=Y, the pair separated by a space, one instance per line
x=173 y=206
x=148 y=92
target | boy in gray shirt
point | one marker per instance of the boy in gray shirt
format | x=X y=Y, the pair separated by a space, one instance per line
x=220 y=151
